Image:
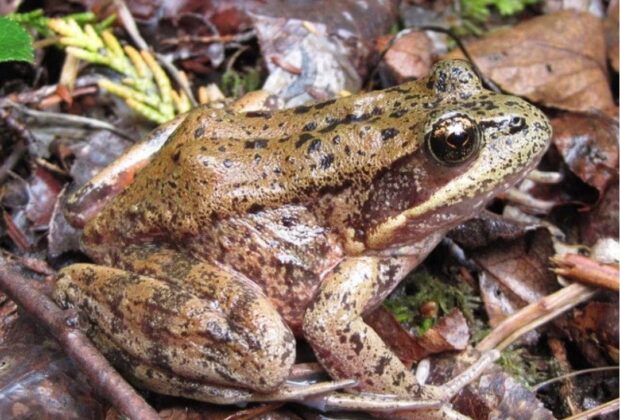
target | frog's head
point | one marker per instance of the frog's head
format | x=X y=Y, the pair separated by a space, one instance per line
x=474 y=144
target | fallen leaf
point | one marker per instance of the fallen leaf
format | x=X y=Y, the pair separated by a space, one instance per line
x=43 y=189
x=495 y=395
x=599 y=322
x=61 y=237
x=516 y=273
x=558 y=60
x=408 y=58
x=18 y=231
x=94 y=153
x=328 y=51
x=38 y=381
x=588 y=144
x=611 y=34
x=448 y=334
x=602 y=220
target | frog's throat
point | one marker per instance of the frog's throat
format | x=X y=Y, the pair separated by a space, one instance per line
x=490 y=180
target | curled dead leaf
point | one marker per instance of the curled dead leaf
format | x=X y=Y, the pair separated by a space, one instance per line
x=611 y=34
x=495 y=395
x=517 y=273
x=602 y=221
x=448 y=334
x=589 y=145
x=558 y=60
x=409 y=57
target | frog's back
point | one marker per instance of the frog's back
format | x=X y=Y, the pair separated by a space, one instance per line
x=234 y=163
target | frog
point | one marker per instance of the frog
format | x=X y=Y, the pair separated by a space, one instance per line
x=243 y=232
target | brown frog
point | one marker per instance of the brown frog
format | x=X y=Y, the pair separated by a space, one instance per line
x=246 y=230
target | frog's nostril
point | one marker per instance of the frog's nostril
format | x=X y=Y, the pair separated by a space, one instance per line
x=516 y=124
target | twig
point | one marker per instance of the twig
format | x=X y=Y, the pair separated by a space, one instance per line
x=567 y=391
x=242 y=37
x=535 y=315
x=608 y=407
x=131 y=27
x=586 y=270
x=43 y=97
x=79 y=348
x=543 y=384
x=25 y=137
x=60 y=118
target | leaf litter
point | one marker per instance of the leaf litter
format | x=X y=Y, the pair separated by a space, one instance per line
x=303 y=53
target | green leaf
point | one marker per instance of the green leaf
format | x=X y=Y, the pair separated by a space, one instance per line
x=15 y=43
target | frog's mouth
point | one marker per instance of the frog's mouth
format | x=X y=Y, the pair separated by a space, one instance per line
x=501 y=164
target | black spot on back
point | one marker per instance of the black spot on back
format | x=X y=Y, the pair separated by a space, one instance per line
x=256 y=144
x=388 y=133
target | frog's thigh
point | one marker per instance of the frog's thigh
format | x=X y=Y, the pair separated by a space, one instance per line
x=345 y=345
x=207 y=325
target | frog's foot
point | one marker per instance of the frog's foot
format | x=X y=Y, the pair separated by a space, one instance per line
x=349 y=348
x=367 y=401
x=164 y=382
x=196 y=321
x=433 y=397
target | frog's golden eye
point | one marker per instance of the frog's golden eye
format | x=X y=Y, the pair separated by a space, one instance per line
x=453 y=139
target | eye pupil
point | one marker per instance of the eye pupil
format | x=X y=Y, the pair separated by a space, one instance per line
x=457 y=140
x=453 y=139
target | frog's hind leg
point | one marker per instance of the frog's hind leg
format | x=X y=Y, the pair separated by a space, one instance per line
x=192 y=319
x=163 y=382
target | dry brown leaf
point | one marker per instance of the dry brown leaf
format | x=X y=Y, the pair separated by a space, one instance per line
x=517 y=273
x=601 y=320
x=611 y=34
x=43 y=189
x=602 y=221
x=588 y=144
x=448 y=334
x=495 y=395
x=409 y=58
x=37 y=381
x=558 y=60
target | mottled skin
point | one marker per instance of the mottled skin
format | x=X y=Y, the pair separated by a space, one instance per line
x=247 y=229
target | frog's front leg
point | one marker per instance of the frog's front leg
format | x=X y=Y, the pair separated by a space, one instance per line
x=186 y=318
x=344 y=344
x=348 y=348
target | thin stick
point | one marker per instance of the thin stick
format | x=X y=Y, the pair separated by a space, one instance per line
x=24 y=137
x=78 y=347
x=543 y=384
x=586 y=270
x=131 y=27
x=242 y=37
x=535 y=315
x=608 y=407
x=58 y=118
